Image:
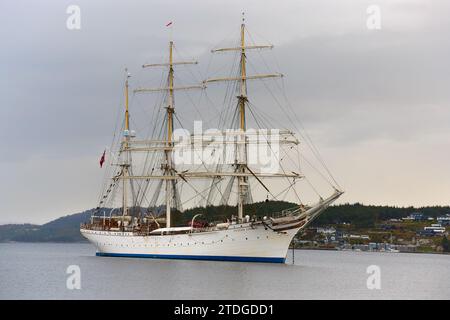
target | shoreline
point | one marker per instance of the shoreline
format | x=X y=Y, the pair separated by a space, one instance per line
x=370 y=251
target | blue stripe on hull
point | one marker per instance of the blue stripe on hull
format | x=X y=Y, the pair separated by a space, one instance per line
x=188 y=257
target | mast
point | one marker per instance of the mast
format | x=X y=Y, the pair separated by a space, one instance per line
x=243 y=96
x=126 y=138
x=170 y=109
x=168 y=169
x=241 y=161
x=242 y=99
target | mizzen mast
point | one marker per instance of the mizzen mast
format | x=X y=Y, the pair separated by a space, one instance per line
x=126 y=139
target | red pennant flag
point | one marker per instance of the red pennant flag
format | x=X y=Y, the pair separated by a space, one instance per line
x=169 y=24
x=102 y=159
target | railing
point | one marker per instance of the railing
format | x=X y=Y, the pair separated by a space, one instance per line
x=100 y=227
x=144 y=231
x=287 y=212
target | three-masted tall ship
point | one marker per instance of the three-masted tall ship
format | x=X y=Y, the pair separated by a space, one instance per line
x=150 y=195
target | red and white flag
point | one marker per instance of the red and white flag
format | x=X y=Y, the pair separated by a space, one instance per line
x=102 y=159
x=169 y=24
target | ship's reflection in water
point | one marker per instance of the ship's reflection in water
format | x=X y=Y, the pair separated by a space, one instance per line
x=38 y=271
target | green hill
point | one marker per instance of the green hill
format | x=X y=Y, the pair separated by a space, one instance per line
x=64 y=229
x=366 y=216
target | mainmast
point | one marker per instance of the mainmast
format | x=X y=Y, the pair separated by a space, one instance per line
x=168 y=153
x=241 y=160
x=242 y=155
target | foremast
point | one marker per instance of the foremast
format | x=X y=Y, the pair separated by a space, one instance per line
x=241 y=159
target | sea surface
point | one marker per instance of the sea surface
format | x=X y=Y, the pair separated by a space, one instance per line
x=39 y=271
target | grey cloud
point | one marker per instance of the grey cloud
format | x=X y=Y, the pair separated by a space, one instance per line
x=351 y=87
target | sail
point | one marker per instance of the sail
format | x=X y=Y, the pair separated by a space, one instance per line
x=233 y=166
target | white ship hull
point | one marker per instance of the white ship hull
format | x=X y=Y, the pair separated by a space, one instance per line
x=252 y=241
x=241 y=243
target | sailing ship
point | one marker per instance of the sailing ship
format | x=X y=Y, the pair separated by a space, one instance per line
x=141 y=228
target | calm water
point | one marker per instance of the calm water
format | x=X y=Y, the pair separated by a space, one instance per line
x=38 y=271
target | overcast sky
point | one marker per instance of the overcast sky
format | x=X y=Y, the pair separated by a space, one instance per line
x=375 y=102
